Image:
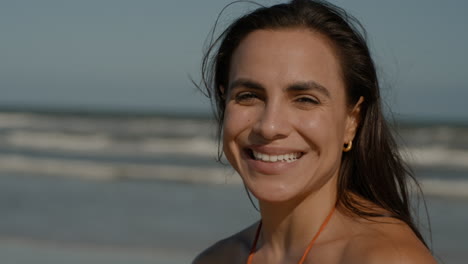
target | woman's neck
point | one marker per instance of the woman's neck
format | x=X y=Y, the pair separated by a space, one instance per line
x=288 y=227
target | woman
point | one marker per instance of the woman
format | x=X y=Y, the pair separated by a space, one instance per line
x=299 y=110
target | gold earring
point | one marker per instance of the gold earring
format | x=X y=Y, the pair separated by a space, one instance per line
x=347 y=147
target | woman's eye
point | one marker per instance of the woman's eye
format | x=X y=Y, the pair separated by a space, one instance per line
x=245 y=97
x=307 y=99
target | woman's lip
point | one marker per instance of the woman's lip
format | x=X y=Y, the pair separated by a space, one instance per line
x=270 y=168
x=269 y=150
x=267 y=167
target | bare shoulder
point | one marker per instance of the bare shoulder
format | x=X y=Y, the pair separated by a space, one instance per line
x=387 y=242
x=234 y=249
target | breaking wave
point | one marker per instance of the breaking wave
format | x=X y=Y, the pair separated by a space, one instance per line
x=181 y=149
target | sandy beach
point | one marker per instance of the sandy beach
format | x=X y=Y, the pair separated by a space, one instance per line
x=69 y=220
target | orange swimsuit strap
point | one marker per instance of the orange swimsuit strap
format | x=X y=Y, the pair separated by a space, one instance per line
x=309 y=247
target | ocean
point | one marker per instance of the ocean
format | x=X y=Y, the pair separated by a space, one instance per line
x=146 y=188
x=106 y=146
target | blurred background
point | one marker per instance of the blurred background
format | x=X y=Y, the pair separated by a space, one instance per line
x=107 y=150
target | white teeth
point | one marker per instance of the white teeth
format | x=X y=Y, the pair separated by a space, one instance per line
x=276 y=158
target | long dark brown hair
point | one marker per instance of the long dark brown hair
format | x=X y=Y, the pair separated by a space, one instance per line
x=373 y=172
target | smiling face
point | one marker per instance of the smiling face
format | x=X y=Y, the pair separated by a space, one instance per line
x=286 y=117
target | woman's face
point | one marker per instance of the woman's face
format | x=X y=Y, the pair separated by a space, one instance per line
x=286 y=118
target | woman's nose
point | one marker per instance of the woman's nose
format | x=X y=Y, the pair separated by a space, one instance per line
x=272 y=122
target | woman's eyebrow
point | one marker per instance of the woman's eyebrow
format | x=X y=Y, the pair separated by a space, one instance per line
x=294 y=87
x=247 y=83
x=307 y=86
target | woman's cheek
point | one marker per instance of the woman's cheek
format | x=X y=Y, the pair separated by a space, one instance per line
x=234 y=122
x=237 y=119
x=316 y=127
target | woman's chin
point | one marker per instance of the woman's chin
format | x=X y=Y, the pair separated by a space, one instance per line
x=273 y=193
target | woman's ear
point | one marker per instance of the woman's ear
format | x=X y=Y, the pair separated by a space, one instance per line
x=353 y=120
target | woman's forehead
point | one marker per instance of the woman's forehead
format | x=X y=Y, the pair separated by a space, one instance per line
x=282 y=57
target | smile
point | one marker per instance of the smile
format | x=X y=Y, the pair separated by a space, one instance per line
x=287 y=157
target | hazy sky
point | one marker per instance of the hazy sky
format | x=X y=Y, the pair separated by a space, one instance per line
x=138 y=55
